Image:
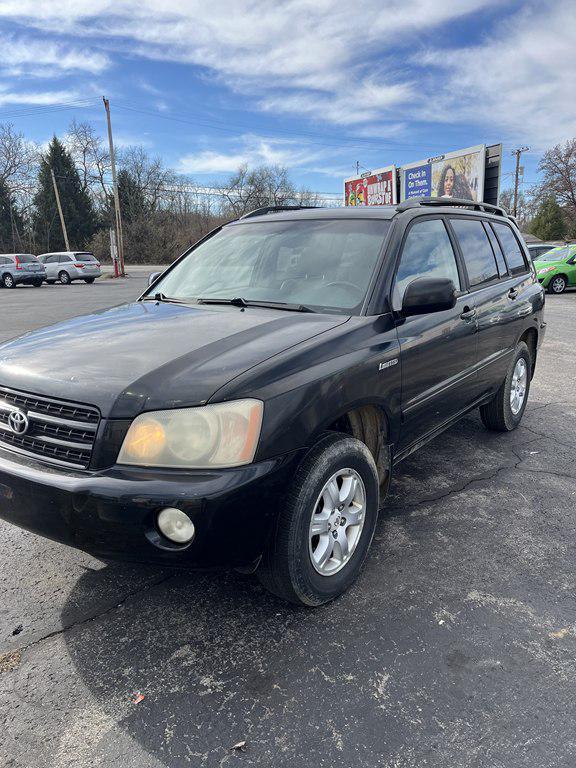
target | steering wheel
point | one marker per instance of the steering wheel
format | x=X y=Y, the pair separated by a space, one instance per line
x=345 y=284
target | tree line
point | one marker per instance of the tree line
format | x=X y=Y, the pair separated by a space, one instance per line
x=162 y=212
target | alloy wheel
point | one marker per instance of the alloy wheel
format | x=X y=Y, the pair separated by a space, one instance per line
x=337 y=522
x=518 y=386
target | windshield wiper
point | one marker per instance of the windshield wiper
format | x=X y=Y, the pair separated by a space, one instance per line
x=238 y=301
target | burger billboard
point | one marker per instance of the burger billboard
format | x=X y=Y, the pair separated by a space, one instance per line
x=372 y=188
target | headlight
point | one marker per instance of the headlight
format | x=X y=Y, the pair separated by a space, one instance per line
x=220 y=435
x=546 y=269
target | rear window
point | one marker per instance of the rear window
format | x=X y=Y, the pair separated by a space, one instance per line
x=511 y=248
x=476 y=250
x=84 y=257
x=26 y=258
x=556 y=254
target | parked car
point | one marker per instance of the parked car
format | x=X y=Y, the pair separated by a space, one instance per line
x=249 y=408
x=21 y=269
x=556 y=269
x=68 y=266
x=538 y=249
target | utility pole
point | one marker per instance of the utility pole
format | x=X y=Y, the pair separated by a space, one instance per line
x=62 y=222
x=517 y=152
x=118 y=217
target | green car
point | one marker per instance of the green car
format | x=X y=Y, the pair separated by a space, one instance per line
x=556 y=269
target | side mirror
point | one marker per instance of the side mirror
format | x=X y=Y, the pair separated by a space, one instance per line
x=153 y=276
x=428 y=294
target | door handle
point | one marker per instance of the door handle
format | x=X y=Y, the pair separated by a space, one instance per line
x=512 y=293
x=468 y=313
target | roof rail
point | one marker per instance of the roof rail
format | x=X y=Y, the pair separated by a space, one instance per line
x=415 y=202
x=276 y=209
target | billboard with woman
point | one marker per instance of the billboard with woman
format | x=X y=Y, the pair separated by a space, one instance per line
x=455 y=174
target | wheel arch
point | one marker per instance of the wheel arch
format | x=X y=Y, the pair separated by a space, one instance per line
x=370 y=424
x=530 y=338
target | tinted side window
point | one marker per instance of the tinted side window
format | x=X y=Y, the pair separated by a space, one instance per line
x=52 y=260
x=502 y=268
x=512 y=250
x=478 y=255
x=63 y=258
x=3 y=260
x=427 y=252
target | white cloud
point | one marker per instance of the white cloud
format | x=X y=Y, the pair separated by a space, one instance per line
x=249 y=150
x=37 y=98
x=368 y=65
x=42 y=58
x=520 y=81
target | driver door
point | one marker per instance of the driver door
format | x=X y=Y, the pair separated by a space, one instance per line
x=438 y=349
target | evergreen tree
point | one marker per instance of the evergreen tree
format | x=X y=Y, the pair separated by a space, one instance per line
x=11 y=222
x=133 y=202
x=79 y=215
x=548 y=224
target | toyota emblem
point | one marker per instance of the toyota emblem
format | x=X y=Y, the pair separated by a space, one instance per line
x=18 y=422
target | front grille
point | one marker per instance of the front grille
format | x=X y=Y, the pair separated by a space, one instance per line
x=58 y=432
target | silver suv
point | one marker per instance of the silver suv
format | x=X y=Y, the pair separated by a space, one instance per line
x=21 y=269
x=67 y=266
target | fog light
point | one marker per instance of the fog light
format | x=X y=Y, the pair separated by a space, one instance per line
x=176 y=525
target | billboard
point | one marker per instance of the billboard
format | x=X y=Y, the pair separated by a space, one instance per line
x=372 y=188
x=455 y=174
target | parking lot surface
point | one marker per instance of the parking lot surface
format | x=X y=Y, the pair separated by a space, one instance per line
x=456 y=648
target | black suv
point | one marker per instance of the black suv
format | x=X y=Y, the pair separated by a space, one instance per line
x=249 y=408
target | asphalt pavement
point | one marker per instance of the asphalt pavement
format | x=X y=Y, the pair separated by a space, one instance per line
x=456 y=648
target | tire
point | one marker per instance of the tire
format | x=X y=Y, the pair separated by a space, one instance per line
x=64 y=277
x=50 y=282
x=557 y=285
x=499 y=415
x=8 y=281
x=89 y=280
x=37 y=283
x=290 y=565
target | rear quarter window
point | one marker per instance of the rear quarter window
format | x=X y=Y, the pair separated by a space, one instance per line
x=511 y=247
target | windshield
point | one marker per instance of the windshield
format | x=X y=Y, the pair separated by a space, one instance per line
x=556 y=254
x=323 y=264
x=84 y=257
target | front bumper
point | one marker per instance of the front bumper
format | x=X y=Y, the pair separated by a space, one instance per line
x=111 y=514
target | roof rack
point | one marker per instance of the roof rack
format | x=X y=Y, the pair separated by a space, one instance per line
x=415 y=202
x=276 y=209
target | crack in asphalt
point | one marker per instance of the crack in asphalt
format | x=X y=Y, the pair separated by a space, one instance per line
x=110 y=609
x=488 y=475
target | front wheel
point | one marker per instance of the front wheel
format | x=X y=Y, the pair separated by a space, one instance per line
x=557 y=284
x=64 y=278
x=326 y=524
x=505 y=411
x=8 y=281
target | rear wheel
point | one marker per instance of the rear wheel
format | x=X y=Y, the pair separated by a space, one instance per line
x=88 y=279
x=8 y=281
x=557 y=284
x=64 y=278
x=505 y=411
x=326 y=524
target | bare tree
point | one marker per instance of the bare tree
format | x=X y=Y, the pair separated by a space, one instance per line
x=18 y=158
x=558 y=166
x=91 y=158
x=149 y=174
x=267 y=185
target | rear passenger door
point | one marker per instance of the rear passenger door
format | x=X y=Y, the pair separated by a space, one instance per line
x=438 y=349
x=496 y=283
x=51 y=264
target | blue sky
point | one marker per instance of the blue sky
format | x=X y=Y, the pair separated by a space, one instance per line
x=315 y=85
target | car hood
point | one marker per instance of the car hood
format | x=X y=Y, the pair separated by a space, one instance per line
x=538 y=265
x=147 y=355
